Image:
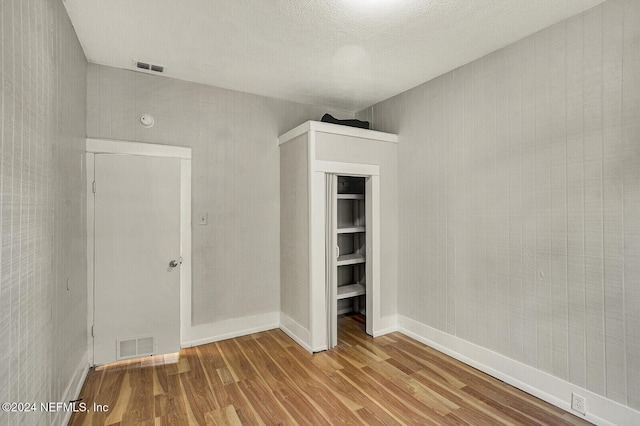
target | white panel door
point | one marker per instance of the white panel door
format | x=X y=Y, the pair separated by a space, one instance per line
x=137 y=239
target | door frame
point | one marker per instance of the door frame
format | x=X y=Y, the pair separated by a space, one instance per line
x=104 y=146
x=317 y=246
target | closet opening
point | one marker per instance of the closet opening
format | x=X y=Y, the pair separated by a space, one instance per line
x=348 y=275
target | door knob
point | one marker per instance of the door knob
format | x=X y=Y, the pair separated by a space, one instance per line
x=173 y=263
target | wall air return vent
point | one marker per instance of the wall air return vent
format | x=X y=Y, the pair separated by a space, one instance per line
x=134 y=348
x=147 y=66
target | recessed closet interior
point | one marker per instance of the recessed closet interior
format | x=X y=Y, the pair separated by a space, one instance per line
x=351 y=245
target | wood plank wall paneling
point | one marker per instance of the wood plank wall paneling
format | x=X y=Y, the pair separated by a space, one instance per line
x=592 y=166
x=43 y=299
x=558 y=200
x=520 y=200
x=631 y=200
x=575 y=203
x=613 y=219
x=266 y=378
x=512 y=275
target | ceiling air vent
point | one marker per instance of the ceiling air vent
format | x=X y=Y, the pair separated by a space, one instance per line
x=146 y=66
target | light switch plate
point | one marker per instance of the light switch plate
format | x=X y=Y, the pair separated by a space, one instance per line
x=203 y=219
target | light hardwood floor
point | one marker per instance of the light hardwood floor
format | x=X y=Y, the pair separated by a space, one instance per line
x=266 y=378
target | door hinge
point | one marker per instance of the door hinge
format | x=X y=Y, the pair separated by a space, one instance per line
x=94 y=186
x=92 y=331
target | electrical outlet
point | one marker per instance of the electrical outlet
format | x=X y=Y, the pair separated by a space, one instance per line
x=578 y=403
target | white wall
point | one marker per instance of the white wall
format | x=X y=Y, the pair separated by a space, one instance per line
x=235 y=174
x=295 y=234
x=519 y=201
x=43 y=297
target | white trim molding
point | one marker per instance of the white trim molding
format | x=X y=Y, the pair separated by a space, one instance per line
x=600 y=410
x=338 y=129
x=386 y=325
x=185 y=249
x=317 y=246
x=297 y=332
x=107 y=146
x=352 y=169
x=72 y=392
x=202 y=334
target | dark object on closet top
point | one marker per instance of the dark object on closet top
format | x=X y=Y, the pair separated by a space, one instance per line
x=328 y=118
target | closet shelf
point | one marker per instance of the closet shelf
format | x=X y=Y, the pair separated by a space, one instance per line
x=351 y=229
x=350 y=259
x=351 y=290
x=350 y=196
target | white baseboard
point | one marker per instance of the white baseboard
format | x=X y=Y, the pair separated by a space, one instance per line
x=228 y=329
x=600 y=410
x=387 y=325
x=74 y=387
x=297 y=332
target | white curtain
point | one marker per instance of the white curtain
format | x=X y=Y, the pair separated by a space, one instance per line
x=331 y=247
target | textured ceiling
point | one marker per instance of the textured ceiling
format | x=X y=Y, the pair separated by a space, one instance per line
x=346 y=54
